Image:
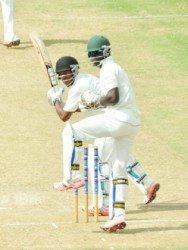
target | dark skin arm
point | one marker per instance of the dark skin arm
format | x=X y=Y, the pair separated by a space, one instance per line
x=63 y=115
x=111 y=98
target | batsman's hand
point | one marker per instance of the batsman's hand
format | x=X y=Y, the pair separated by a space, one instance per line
x=54 y=95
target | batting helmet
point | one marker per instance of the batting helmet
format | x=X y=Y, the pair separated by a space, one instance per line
x=66 y=63
x=70 y=66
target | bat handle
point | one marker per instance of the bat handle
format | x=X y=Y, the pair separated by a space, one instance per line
x=60 y=91
x=55 y=88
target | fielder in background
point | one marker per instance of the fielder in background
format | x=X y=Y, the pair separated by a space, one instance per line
x=10 y=39
x=120 y=121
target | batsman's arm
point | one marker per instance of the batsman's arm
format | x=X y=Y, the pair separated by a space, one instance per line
x=63 y=115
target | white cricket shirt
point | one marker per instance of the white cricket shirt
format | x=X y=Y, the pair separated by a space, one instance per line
x=82 y=83
x=113 y=76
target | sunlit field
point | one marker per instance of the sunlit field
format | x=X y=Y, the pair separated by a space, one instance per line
x=149 y=40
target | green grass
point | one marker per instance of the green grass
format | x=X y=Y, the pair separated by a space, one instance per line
x=136 y=248
x=127 y=7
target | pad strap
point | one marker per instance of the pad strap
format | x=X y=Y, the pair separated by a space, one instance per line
x=78 y=143
x=102 y=163
x=138 y=174
x=104 y=178
x=120 y=181
x=141 y=178
x=119 y=205
x=75 y=167
x=130 y=167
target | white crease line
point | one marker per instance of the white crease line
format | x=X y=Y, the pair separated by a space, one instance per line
x=151 y=221
x=5 y=208
x=155 y=16
x=33 y=224
x=54 y=224
x=43 y=247
x=121 y=17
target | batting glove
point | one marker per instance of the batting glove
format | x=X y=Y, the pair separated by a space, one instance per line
x=54 y=96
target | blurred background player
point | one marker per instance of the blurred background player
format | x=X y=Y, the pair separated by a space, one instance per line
x=10 y=39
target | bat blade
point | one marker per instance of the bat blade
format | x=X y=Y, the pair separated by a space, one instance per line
x=44 y=58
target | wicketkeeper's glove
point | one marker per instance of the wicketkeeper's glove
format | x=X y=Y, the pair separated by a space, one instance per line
x=90 y=100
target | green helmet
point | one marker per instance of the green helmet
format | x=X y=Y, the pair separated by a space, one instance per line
x=97 y=43
x=98 y=48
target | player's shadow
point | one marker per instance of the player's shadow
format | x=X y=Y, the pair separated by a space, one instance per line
x=48 y=43
x=22 y=46
x=152 y=229
x=64 y=41
x=163 y=206
x=155 y=229
x=149 y=229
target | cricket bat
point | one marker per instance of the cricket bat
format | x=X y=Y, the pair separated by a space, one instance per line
x=44 y=58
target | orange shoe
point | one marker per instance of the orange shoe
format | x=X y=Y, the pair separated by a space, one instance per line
x=114 y=224
x=104 y=211
x=65 y=185
x=154 y=187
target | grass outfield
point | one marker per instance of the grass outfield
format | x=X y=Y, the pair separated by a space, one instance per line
x=149 y=39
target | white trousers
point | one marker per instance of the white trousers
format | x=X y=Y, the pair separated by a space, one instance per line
x=8 y=19
x=121 y=136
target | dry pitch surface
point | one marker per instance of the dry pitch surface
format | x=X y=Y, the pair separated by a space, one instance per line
x=35 y=217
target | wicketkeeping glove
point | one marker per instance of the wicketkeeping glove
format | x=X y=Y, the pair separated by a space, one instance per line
x=54 y=96
x=90 y=100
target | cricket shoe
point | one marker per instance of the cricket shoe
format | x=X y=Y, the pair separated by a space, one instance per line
x=114 y=224
x=14 y=42
x=152 y=193
x=104 y=211
x=65 y=185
